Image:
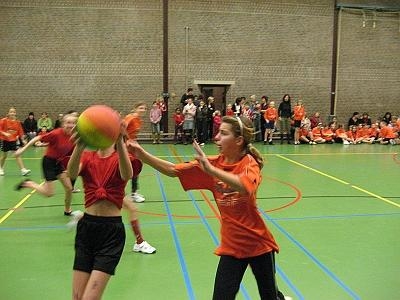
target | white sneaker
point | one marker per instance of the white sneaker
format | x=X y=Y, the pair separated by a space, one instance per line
x=144 y=247
x=1 y=172
x=345 y=142
x=76 y=190
x=137 y=197
x=75 y=217
x=25 y=172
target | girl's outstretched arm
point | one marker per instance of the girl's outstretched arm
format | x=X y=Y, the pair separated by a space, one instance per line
x=164 y=166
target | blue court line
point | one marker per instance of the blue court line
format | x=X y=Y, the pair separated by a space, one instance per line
x=178 y=247
x=213 y=236
x=289 y=283
x=313 y=258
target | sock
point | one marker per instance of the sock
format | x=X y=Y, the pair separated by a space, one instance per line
x=136 y=230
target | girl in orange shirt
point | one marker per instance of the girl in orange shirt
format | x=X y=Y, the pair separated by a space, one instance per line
x=233 y=177
x=298 y=115
x=10 y=131
x=270 y=116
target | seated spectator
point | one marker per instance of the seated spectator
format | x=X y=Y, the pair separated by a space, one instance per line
x=315 y=119
x=354 y=120
x=387 y=118
x=362 y=135
x=351 y=134
x=317 y=134
x=373 y=131
x=58 y=122
x=341 y=135
x=386 y=134
x=365 y=119
x=45 y=121
x=306 y=136
x=39 y=143
x=30 y=126
x=328 y=134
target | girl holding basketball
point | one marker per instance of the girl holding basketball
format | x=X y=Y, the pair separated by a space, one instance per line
x=233 y=177
x=100 y=233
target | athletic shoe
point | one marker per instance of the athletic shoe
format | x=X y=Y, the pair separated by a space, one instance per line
x=283 y=297
x=345 y=142
x=21 y=185
x=144 y=247
x=137 y=197
x=1 y=172
x=75 y=190
x=25 y=172
x=75 y=217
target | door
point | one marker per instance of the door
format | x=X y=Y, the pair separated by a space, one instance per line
x=219 y=94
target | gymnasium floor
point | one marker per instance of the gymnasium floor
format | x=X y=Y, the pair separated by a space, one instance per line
x=334 y=210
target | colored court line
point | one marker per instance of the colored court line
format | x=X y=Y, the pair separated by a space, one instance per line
x=215 y=239
x=339 y=180
x=324 y=268
x=11 y=211
x=178 y=247
x=311 y=169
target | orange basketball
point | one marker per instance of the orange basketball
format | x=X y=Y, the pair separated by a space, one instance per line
x=99 y=126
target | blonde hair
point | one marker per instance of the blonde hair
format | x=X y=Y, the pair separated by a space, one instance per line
x=137 y=104
x=242 y=126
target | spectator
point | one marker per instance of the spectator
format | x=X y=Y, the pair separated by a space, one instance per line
x=185 y=96
x=315 y=119
x=284 y=114
x=354 y=120
x=30 y=126
x=45 y=121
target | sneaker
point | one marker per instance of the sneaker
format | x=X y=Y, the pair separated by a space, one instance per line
x=1 y=172
x=75 y=190
x=283 y=297
x=346 y=142
x=137 y=197
x=144 y=247
x=25 y=172
x=21 y=185
x=75 y=217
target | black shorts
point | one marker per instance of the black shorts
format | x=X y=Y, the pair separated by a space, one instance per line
x=270 y=125
x=9 y=146
x=99 y=243
x=51 y=168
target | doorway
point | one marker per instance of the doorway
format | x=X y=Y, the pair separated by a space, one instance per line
x=219 y=94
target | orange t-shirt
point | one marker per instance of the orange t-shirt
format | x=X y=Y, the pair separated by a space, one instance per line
x=387 y=133
x=133 y=124
x=271 y=114
x=241 y=222
x=316 y=132
x=12 y=127
x=341 y=132
x=299 y=112
x=327 y=134
x=373 y=132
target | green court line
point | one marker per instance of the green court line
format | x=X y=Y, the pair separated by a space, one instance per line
x=339 y=180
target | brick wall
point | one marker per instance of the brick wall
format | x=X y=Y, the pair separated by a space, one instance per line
x=60 y=55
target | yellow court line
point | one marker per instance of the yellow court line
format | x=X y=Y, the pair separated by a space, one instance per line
x=5 y=217
x=376 y=196
x=311 y=169
x=341 y=181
